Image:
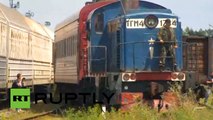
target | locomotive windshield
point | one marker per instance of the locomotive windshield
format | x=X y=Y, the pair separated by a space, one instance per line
x=99 y=23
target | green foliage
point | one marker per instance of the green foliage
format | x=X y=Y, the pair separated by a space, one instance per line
x=190 y=32
x=187 y=109
x=85 y=114
x=137 y=112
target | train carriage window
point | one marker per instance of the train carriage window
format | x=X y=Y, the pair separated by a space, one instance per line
x=64 y=46
x=71 y=42
x=99 y=23
x=56 y=46
x=76 y=45
x=72 y=46
x=56 y=51
x=67 y=47
x=60 y=49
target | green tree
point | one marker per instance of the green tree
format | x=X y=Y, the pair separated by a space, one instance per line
x=190 y=32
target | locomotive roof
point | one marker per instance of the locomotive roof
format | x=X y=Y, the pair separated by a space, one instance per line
x=145 y=5
x=13 y=17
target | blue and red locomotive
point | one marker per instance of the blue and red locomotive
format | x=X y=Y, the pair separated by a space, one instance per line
x=112 y=46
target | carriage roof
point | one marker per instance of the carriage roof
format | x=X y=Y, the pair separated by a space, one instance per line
x=15 y=18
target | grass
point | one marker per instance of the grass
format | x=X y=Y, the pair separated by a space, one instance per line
x=186 y=111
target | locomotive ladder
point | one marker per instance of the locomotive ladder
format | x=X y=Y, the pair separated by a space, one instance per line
x=102 y=57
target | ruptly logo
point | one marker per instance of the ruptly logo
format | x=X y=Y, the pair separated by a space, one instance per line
x=20 y=98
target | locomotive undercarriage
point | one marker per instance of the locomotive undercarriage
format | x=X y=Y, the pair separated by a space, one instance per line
x=155 y=93
x=111 y=90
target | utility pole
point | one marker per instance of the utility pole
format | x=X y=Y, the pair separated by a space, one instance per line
x=14 y=5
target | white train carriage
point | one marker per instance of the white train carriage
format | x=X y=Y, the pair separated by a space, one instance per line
x=66 y=43
x=25 y=47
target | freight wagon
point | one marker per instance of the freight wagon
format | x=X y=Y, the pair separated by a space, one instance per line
x=25 y=47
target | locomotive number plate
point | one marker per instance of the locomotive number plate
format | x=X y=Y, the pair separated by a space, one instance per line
x=139 y=23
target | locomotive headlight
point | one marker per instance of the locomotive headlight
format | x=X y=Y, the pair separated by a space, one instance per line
x=181 y=76
x=177 y=76
x=151 y=21
x=174 y=75
x=126 y=77
x=133 y=76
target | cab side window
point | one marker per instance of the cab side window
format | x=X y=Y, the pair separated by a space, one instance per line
x=99 y=23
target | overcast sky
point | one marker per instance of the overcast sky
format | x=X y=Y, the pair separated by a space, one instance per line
x=195 y=14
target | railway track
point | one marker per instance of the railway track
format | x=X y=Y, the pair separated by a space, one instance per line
x=42 y=114
x=35 y=112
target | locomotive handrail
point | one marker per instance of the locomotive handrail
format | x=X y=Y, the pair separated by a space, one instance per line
x=150 y=45
x=148 y=42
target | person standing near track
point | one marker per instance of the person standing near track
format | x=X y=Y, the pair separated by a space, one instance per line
x=18 y=83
